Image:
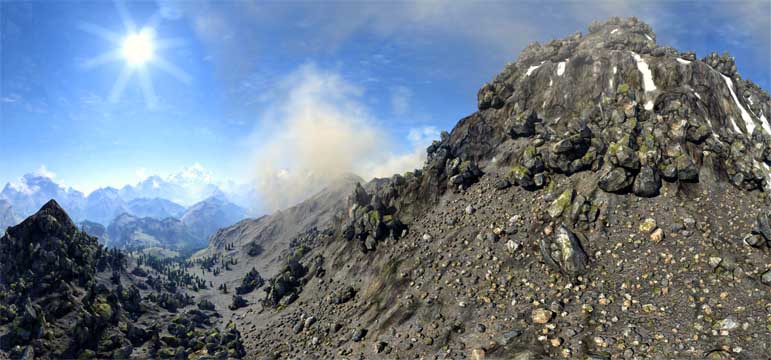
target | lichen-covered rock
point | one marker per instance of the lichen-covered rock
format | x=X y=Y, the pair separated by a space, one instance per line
x=563 y=252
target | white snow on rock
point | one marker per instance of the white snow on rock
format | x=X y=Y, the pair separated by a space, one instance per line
x=533 y=68
x=649 y=37
x=614 y=31
x=648 y=84
x=764 y=123
x=745 y=115
x=697 y=95
x=736 y=127
x=561 y=68
x=615 y=69
x=683 y=61
x=551 y=81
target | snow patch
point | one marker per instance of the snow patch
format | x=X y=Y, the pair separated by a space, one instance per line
x=561 y=68
x=683 y=61
x=615 y=69
x=697 y=95
x=745 y=115
x=648 y=37
x=648 y=83
x=533 y=68
x=764 y=123
x=551 y=81
x=614 y=31
x=649 y=105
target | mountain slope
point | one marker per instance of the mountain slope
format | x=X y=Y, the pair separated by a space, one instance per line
x=206 y=217
x=130 y=232
x=608 y=200
x=62 y=295
x=103 y=205
x=155 y=208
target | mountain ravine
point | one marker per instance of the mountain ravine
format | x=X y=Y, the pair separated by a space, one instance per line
x=608 y=200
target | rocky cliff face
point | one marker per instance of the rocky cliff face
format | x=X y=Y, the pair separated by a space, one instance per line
x=608 y=200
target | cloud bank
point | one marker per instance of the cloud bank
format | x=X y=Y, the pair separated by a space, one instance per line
x=317 y=128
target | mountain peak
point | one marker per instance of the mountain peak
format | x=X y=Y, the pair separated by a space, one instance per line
x=52 y=208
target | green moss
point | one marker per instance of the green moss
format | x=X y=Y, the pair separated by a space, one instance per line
x=374 y=217
x=464 y=165
x=614 y=148
x=561 y=203
x=631 y=122
x=623 y=88
x=588 y=156
x=520 y=171
x=103 y=309
x=530 y=151
x=388 y=218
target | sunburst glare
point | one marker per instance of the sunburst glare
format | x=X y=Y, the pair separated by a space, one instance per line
x=139 y=51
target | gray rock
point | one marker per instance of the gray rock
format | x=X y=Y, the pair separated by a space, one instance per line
x=647 y=183
x=615 y=180
x=359 y=335
x=563 y=252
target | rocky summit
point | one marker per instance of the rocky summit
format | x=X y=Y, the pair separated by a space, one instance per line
x=608 y=200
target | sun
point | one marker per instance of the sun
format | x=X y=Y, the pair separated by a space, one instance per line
x=140 y=51
x=138 y=48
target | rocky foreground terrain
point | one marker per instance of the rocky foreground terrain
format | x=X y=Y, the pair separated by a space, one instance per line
x=609 y=200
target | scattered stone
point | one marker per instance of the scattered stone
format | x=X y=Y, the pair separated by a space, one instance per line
x=648 y=225
x=657 y=235
x=541 y=316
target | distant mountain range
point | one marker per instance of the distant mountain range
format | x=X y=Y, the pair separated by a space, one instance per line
x=151 y=213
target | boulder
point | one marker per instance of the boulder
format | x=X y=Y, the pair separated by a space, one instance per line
x=564 y=253
x=647 y=183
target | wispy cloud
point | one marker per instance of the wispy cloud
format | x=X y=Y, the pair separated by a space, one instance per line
x=400 y=100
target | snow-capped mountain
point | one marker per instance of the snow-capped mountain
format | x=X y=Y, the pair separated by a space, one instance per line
x=103 y=205
x=31 y=191
x=7 y=216
x=192 y=184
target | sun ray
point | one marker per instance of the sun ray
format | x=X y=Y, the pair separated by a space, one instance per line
x=100 y=32
x=148 y=90
x=107 y=57
x=128 y=22
x=172 y=70
x=120 y=83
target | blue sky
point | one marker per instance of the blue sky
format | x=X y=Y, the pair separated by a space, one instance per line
x=387 y=75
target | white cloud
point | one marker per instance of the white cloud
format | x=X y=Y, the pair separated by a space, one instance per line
x=400 y=99
x=44 y=172
x=316 y=129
